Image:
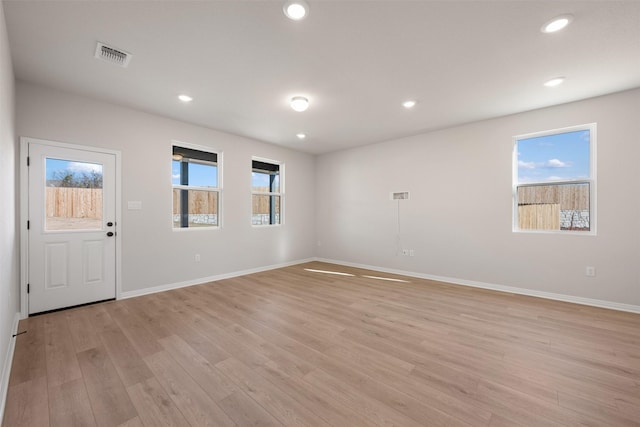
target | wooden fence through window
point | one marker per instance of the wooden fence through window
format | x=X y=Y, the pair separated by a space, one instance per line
x=568 y=196
x=539 y=217
x=200 y=202
x=540 y=206
x=72 y=202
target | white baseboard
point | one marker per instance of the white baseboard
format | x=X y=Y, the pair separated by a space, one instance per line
x=6 y=369
x=169 y=286
x=501 y=288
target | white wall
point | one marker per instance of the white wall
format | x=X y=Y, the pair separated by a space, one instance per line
x=449 y=174
x=459 y=217
x=153 y=253
x=9 y=267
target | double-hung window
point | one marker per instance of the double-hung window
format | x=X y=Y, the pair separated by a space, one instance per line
x=554 y=180
x=266 y=192
x=196 y=187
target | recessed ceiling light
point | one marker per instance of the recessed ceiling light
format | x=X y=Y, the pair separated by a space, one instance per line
x=557 y=23
x=299 y=103
x=185 y=98
x=409 y=104
x=554 y=81
x=296 y=9
x=301 y=135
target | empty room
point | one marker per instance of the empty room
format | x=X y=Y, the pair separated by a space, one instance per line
x=319 y=213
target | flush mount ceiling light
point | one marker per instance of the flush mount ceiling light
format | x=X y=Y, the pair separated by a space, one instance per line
x=301 y=135
x=557 y=23
x=554 y=82
x=185 y=98
x=409 y=104
x=299 y=103
x=296 y=9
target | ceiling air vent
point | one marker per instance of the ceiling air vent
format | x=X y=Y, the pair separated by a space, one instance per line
x=113 y=55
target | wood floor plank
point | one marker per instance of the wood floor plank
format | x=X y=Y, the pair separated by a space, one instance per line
x=300 y=346
x=294 y=327
x=109 y=400
x=440 y=394
x=29 y=358
x=154 y=406
x=134 y=329
x=133 y=422
x=246 y=412
x=124 y=356
x=27 y=404
x=99 y=318
x=628 y=409
x=371 y=409
x=444 y=394
x=363 y=355
x=198 y=333
x=284 y=359
x=498 y=421
x=325 y=406
x=149 y=314
x=519 y=407
x=195 y=405
x=216 y=385
x=62 y=364
x=82 y=332
x=278 y=403
x=571 y=368
x=594 y=411
x=69 y=405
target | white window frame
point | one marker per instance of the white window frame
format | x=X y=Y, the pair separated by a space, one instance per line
x=268 y=193
x=217 y=189
x=592 y=128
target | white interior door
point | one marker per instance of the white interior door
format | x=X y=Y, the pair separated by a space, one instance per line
x=72 y=229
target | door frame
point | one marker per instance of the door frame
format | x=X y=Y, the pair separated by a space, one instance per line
x=24 y=213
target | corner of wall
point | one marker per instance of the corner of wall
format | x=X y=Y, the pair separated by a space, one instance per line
x=9 y=251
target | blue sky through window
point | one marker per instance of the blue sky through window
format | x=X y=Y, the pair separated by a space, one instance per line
x=259 y=181
x=59 y=165
x=200 y=175
x=562 y=156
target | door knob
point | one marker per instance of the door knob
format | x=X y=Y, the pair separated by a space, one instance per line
x=110 y=233
x=109 y=224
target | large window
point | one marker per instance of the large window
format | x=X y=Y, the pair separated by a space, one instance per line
x=266 y=192
x=554 y=180
x=196 y=189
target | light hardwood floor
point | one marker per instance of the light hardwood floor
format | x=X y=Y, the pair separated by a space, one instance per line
x=299 y=348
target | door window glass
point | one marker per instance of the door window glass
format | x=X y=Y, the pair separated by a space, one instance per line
x=73 y=195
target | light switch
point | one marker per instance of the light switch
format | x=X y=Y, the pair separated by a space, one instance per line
x=134 y=205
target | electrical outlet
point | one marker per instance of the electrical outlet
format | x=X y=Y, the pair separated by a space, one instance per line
x=412 y=252
x=197 y=257
x=590 y=272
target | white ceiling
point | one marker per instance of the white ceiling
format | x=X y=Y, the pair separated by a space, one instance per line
x=356 y=61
